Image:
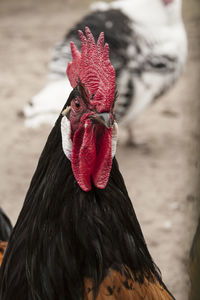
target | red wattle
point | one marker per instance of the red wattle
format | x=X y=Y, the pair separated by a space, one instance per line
x=92 y=155
x=103 y=164
x=84 y=155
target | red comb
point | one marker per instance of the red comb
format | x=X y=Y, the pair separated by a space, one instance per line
x=93 y=68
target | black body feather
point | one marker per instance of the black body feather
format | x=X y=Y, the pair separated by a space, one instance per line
x=64 y=234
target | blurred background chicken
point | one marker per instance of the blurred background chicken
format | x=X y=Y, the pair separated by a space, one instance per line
x=148 y=50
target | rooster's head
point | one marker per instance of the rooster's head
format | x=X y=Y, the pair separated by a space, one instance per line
x=88 y=128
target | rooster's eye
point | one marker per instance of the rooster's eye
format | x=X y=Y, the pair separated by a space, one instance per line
x=77 y=105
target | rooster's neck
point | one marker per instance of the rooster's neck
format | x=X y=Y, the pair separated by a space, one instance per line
x=64 y=234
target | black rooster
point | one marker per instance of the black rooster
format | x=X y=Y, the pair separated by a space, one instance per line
x=77 y=236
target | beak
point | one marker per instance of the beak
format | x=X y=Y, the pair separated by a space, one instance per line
x=66 y=111
x=103 y=118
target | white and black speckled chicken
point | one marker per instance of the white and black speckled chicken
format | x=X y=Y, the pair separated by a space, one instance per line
x=148 y=50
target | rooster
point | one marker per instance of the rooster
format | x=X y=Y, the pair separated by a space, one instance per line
x=5 y=231
x=148 y=50
x=77 y=236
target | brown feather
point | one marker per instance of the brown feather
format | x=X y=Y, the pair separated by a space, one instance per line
x=117 y=286
x=3 y=246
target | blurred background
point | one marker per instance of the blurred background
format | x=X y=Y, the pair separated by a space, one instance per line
x=162 y=182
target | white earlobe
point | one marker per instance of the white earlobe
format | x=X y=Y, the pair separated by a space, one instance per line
x=114 y=138
x=66 y=137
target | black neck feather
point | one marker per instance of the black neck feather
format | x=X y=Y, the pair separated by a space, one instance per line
x=64 y=234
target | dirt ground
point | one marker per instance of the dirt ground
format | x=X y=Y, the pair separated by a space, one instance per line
x=162 y=182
